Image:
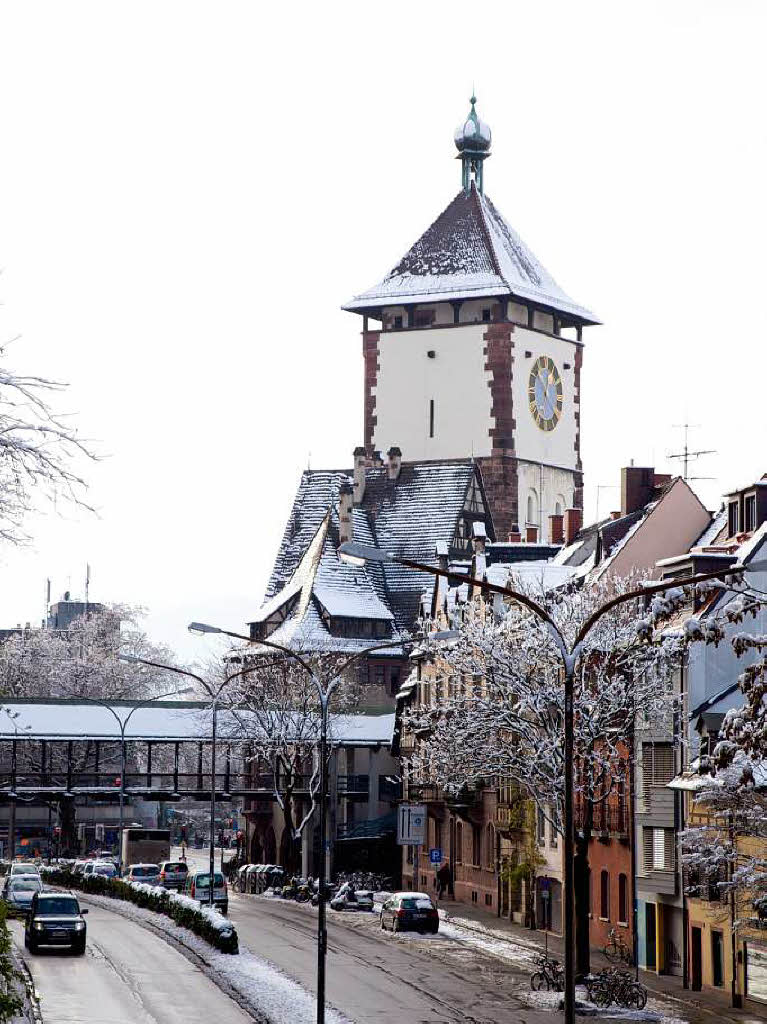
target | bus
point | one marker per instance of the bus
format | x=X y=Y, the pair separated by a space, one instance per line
x=145 y=845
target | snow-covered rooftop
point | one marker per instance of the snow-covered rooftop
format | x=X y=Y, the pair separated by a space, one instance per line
x=165 y=720
x=468 y=252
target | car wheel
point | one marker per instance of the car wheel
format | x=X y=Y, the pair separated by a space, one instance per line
x=32 y=946
x=78 y=948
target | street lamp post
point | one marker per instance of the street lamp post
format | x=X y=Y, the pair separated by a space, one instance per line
x=214 y=695
x=324 y=693
x=123 y=725
x=357 y=553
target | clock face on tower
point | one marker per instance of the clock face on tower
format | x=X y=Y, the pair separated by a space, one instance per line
x=544 y=393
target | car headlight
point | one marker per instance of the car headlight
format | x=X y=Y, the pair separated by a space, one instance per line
x=79 y=925
x=38 y=926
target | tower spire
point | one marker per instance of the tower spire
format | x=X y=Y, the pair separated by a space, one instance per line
x=472 y=140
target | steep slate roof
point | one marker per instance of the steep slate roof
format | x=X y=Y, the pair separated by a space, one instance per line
x=408 y=516
x=469 y=252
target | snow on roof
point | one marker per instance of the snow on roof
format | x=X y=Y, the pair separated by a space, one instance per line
x=546 y=574
x=712 y=531
x=411 y=516
x=469 y=251
x=166 y=720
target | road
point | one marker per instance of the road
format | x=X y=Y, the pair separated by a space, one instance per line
x=127 y=976
x=378 y=977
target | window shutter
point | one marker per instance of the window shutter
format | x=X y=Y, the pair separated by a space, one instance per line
x=647 y=848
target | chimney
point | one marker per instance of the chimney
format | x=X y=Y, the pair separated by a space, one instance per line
x=515 y=537
x=345 y=500
x=637 y=485
x=395 y=462
x=439 y=592
x=360 y=461
x=556 y=529
x=531 y=534
x=573 y=523
x=479 y=540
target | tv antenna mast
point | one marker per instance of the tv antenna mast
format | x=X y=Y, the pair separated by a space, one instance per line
x=688 y=456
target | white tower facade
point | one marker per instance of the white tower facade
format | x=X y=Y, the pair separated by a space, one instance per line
x=479 y=354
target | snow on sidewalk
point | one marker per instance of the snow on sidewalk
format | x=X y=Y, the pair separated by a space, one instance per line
x=271 y=995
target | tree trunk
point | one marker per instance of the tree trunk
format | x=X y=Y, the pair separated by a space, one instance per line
x=581 y=881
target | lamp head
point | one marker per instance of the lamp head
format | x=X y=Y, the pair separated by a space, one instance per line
x=358 y=554
x=202 y=627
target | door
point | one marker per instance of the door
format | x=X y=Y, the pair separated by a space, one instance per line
x=697 y=960
x=756 y=971
x=649 y=909
x=717 y=959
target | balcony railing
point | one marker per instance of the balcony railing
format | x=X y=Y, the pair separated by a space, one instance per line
x=353 y=785
x=612 y=819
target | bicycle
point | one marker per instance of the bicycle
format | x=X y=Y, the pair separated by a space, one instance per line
x=613 y=985
x=551 y=975
x=616 y=950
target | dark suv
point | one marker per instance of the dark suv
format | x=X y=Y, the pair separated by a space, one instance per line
x=55 y=919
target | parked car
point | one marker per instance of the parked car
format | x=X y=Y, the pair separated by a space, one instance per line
x=364 y=899
x=345 y=898
x=148 y=874
x=104 y=868
x=24 y=867
x=18 y=891
x=79 y=866
x=410 y=910
x=198 y=887
x=173 y=874
x=55 y=919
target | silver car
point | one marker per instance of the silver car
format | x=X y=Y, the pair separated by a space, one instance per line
x=19 y=890
x=147 y=874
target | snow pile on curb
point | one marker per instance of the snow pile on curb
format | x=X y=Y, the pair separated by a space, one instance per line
x=268 y=993
x=205 y=922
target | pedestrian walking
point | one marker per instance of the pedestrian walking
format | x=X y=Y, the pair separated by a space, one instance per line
x=443 y=880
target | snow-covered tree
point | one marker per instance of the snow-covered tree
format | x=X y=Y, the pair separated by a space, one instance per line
x=277 y=708
x=83 y=660
x=496 y=706
x=725 y=850
x=39 y=451
x=80 y=662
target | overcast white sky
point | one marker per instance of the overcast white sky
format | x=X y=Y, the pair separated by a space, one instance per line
x=188 y=191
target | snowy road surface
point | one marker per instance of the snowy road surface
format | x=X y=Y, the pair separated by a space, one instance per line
x=127 y=976
x=374 y=977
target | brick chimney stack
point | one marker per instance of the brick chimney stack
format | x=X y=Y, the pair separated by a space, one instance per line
x=637 y=486
x=556 y=529
x=573 y=523
x=360 y=462
x=515 y=537
x=395 y=462
x=345 y=505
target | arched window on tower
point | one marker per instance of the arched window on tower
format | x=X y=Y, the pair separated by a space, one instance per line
x=559 y=506
x=532 y=509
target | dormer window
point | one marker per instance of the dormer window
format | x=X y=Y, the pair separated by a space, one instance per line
x=486 y=316
x=397 y=323
x=732 y=519
x=749 y=513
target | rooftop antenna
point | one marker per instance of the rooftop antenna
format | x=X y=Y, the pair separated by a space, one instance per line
x=686 y=455
x=87 y=584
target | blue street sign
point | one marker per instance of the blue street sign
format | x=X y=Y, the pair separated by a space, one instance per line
x=435 y=856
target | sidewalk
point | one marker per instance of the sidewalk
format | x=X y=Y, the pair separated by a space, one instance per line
x=711 y=1004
